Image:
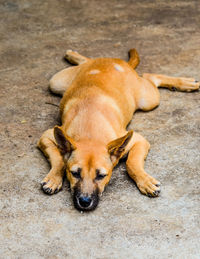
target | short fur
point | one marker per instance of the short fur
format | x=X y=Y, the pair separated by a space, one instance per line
x=99 y=99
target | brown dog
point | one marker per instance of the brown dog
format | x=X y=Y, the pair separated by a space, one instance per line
x=100 y=97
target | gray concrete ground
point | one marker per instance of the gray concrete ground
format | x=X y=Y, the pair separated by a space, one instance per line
x=34 y=36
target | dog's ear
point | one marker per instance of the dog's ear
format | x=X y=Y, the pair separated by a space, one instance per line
x=65 y=144
x=117 y=146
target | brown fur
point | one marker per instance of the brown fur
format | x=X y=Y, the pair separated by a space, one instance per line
x=99 y=99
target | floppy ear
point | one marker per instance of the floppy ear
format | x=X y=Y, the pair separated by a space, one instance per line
x=65 y=144
x=117 y=146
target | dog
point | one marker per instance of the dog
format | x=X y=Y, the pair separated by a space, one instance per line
x=99 y=98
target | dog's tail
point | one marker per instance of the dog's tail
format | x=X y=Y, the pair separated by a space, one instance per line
x=134 y=59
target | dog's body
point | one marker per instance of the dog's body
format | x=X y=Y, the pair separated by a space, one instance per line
x=100 y=97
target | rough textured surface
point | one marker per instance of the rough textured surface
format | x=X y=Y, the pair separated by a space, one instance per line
x=34 y=36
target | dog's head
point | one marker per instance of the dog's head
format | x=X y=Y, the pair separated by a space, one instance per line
x=89 y=166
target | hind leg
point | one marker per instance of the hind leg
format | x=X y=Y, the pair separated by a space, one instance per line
x=173 y=83
x=75 y=58
x=62 y=80
x=147 y=95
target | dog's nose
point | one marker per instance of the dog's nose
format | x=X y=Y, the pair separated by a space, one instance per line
x=85 y=201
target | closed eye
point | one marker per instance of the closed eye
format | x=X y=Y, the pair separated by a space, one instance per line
x=76 y=174
x=99 y=176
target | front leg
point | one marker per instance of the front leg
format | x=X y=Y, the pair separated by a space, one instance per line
x=135 y=167
x=52 y=183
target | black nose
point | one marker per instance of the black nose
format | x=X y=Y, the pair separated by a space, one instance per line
x=85 y=201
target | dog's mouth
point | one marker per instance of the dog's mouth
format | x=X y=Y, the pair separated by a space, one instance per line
x=85 y=202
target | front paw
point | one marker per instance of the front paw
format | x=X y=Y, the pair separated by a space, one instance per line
x=52 y=184
x=148 y=185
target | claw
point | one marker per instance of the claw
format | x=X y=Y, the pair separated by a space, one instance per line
x=47 y=190
x=156 y=193
x=56 y=190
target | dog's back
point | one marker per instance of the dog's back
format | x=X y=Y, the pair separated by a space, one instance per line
x=101 y=96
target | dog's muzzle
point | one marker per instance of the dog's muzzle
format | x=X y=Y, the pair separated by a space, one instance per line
x=85 y=202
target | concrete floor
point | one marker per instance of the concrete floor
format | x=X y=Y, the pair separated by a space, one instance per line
x=34 y=36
